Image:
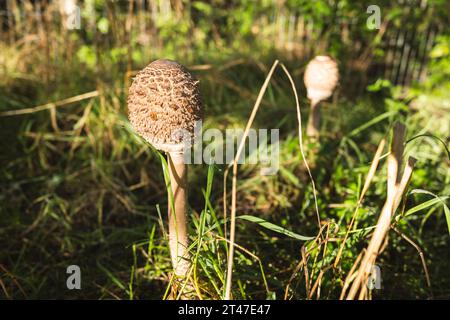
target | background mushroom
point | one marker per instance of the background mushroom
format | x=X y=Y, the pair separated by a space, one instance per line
x=321 y=77
x=163 y=106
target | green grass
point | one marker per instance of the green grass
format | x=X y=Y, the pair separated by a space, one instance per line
x=87 y=194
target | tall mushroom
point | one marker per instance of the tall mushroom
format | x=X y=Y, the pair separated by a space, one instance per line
x=163 y=107
x=321 y=77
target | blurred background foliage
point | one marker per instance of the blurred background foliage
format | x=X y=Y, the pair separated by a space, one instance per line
x=78 y=187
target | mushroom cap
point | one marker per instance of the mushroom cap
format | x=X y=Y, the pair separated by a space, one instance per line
x=164 y=105
x=321 y=78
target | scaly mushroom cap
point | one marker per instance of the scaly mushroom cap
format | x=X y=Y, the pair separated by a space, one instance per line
x=321 y=77
x=164 y=104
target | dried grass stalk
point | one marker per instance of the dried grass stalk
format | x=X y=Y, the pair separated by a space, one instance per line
x=395 y=190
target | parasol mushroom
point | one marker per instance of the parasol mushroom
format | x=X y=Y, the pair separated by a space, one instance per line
x=321 y=78
x=163 y=107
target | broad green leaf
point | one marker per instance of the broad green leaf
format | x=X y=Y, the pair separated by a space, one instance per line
x=274 y=227
x=424 y=205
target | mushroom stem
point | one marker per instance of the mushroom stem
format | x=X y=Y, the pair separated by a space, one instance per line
x=312 y=130
x=178 y=236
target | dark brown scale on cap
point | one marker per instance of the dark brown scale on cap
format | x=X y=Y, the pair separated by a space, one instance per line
x=164 y=104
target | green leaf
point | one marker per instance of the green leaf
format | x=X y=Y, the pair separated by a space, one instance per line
x=291 y=177
x=440 y=50
x=103 y=25
x=379 y=85
x=202 y=7
x=426 y=204
x=370 y=123
x=87 y=55
x=447 y=217
x=274 y=227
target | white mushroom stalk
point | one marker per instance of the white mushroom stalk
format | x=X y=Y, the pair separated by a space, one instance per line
x=163 y=107
x=321 y=78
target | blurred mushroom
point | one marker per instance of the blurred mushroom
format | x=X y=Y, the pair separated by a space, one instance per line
x=321 y=78
x=163 y=107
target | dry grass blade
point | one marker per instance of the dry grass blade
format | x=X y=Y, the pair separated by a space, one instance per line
x=419 y=251
x=404 y=182
x=13 y=278
x=254 y=256
x=318 y=241
x=395 y=158
x=234 y=181
x=396 y=189
x=300 y=138
x=317 y=284
x=305 y=269
x=50 y=105
x=2 y=285
x=225 y=177
x=370 y=175
x=351 y=275
x=294 y=274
